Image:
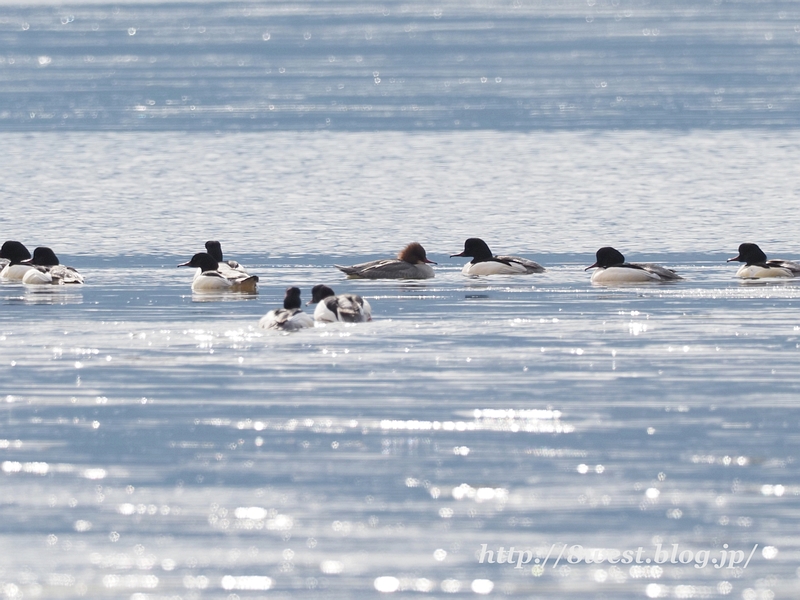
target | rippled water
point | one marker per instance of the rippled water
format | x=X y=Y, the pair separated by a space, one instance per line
x=157 y=444
x=365 y=65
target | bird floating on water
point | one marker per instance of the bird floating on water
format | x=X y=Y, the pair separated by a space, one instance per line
x=611 y=268
x=411 y=263
x=348 y=308
x=485 y=263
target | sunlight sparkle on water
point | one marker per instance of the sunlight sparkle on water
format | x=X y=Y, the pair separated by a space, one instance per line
x=376 y=456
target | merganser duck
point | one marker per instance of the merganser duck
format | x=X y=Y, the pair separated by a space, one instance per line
x=411 y=263
x=47 y=270
x=214 y=248
x=289 y=318
x=756 y=265
x=211 y=279
x=15 y=255
x=485 y=263
x=331 y=308
x=612 y=268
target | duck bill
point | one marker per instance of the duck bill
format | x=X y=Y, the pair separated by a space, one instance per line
x=735 y=259
x=186 y=264
x=430 y=262
x=591 y=267
x=459 y=254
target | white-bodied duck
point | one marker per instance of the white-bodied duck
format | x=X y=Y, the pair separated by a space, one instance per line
x=48 y=270
x=289 y=318
x=14 y=254
x=485 y=263
x=211 y=279
x=756 y=265
x=612 y=269
x=411 y=263
x=348 y=308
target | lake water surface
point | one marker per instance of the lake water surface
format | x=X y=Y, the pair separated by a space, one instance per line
x=155 y=443
x=158 y=443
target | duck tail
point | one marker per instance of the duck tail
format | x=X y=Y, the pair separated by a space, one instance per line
x=248 y=285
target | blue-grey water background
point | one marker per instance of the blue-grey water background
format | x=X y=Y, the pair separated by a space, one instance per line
x=157 y=444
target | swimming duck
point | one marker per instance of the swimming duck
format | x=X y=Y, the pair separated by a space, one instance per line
x=289 y=318
x=15 y=255
x=331 y=308
x=211 y=279
x=214 y=248
x=411 y=263
x=47 y=270
x=612 y=268
x=756 y=265
x=485 y=263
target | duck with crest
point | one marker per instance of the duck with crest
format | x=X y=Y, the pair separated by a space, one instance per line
x=411 y=263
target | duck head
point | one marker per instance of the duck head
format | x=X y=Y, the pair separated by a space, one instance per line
x=749 y=254
x=203 y=261
x=607 y=257
x=414 y=253
x=15 y=252
x=319 y=292
x=43 y=257
x=292 y=298
x=214 y=248
x=475 y=248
